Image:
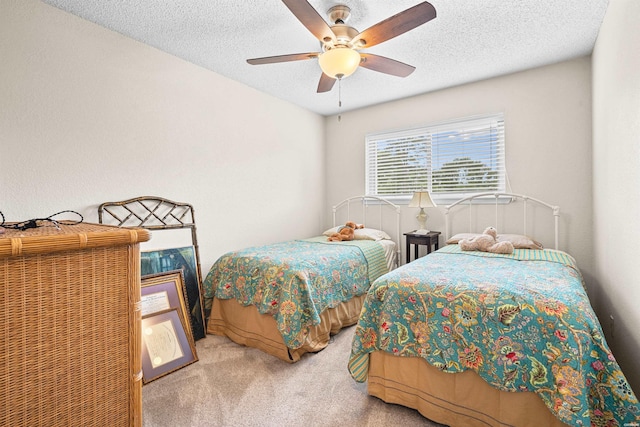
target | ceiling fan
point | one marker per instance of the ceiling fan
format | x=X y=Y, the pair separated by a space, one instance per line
x=340 y=55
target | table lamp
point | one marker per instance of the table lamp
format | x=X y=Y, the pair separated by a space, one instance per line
x=422 y=199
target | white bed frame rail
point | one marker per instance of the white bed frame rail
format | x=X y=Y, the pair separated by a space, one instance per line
x=367 y=203
x=555 y=210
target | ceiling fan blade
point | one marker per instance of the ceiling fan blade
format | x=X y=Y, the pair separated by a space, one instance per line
x=283 y=58
x=396 y=25
x=326 y=83
x=385 y=65
x=310 y=18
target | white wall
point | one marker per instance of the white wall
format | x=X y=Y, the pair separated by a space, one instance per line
x=88 y=116
x=548 y=143
x=616 y=181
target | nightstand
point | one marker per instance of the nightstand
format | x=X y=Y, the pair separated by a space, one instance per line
x=431 y=238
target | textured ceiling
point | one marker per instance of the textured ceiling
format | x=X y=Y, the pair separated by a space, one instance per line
x=469 y=40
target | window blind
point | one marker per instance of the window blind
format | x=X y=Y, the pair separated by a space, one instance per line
x=454 y=158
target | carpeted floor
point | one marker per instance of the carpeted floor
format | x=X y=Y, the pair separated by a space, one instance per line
x=232 y=385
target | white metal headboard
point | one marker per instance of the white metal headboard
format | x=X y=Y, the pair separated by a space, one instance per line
x=555 y=210
x=378 y=204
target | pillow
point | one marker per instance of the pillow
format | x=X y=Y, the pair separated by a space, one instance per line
x=460 y=236
x=330 y=231
x=362 y=233
x=371 y=234
x=519 y=241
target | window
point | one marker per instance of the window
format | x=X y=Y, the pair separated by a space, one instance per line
x=451 y=160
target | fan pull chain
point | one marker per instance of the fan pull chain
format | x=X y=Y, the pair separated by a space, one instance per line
x=339 y=97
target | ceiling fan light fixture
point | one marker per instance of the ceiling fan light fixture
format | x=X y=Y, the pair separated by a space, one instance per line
x=340 y=42
x=339 y=62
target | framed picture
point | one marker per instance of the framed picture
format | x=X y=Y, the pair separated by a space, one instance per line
x=165 y=345
x=163 y=260
x=163 y=291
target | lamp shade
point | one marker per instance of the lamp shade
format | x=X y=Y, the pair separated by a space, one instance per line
x=339 y=62
x=421 y=199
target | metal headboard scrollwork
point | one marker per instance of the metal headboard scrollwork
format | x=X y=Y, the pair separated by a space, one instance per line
x=466 y=202
x=154 y=213
x=385 y=207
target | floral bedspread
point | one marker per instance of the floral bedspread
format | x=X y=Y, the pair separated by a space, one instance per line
x=523 y=322
x=295 y=281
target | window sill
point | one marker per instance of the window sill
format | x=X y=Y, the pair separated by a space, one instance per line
x=447 y=200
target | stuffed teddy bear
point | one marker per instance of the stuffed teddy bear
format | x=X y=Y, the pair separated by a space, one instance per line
x=486 y=242
x=346 y=232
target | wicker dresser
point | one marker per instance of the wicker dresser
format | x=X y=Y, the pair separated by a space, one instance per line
x=70 y=326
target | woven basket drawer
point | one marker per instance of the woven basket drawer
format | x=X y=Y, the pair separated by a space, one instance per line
x=69 y=340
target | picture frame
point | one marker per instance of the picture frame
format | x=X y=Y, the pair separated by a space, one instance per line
x=165 y=345
x=163 y=291
x=182 y=258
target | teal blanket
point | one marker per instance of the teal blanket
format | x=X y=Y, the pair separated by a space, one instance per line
x=523 y=322
x=295 y=281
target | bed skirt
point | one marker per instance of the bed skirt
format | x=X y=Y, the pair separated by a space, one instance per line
x=246 y=326
x=462 y=399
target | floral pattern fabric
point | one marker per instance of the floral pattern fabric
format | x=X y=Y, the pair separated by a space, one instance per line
x=295 y=281
x=522 y=323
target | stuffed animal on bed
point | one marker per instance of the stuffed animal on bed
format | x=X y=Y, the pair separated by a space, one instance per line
x=346 y=232
x=486 y=242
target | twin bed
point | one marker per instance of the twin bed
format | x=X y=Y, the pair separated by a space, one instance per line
x=481 y=339
x=286 y=299
x=466 y=338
